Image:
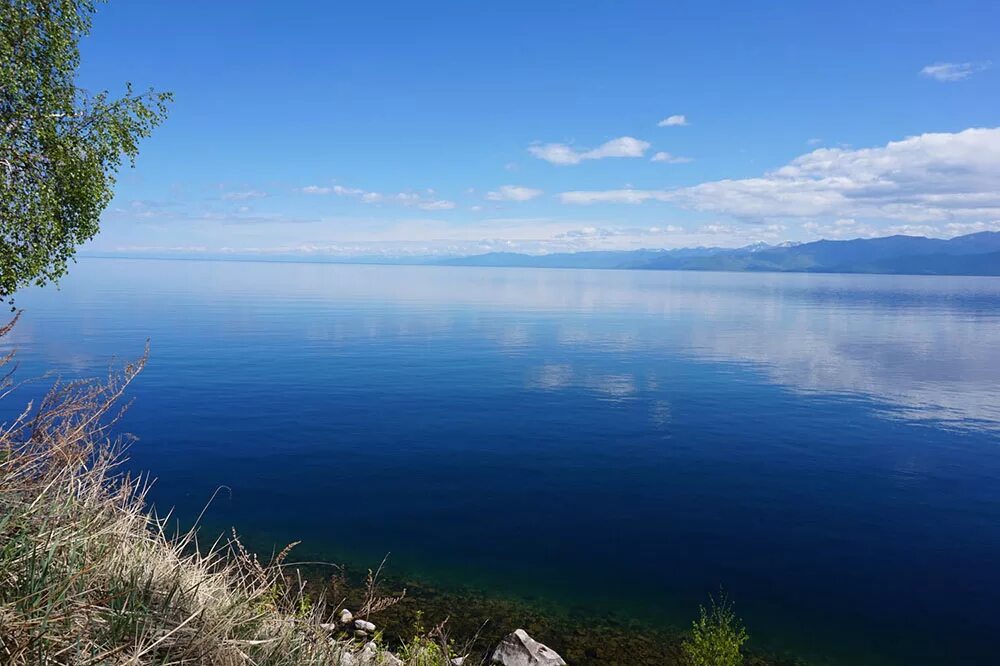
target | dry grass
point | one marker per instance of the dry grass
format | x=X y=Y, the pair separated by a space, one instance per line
x=89 y=576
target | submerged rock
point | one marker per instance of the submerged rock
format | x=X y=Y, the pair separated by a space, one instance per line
x=520 y=649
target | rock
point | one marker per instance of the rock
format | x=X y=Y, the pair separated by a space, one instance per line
x=345 y=617
x=363 y=625
x=459 y=661
x=370 y=655
x=389 y=659
x=345 y=657
x=361 y=633
x=520 y=649
x=329 y=626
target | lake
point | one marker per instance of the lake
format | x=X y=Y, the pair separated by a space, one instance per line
x=827 y=448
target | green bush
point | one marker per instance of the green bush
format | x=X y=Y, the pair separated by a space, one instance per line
x=716 y=636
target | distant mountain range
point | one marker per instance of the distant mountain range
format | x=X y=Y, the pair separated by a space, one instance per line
x=973 y=254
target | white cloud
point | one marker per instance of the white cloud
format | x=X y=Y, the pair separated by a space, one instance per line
x=562 y=154
x=953 y=71
x=244 y=195
x=601 y=233
x=850 y=228
x=930 y=178
x=406 y=199
x=963 y=228
x=925 y=178
x=673 y=121
x=513 y=193
x=629 y=196
x=413 y=200
x=556 y=153
x=625 y=146
x=666 y=157
x=340 y=190
x=144 y=249
x=437 y=204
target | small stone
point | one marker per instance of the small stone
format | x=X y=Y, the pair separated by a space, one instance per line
x=345 y=617
x=371 y=655
x=364 y=625
x=520 y=649
x=361 y=633
x=459 y=661
x=329 y=626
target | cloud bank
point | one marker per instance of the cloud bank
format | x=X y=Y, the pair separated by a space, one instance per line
x=939 y=177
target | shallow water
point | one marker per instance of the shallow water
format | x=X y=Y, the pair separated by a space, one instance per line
x=827 y=448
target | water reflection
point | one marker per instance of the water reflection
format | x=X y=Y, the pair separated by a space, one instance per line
x=927 y=348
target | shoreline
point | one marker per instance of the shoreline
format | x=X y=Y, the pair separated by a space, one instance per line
x=582 y=636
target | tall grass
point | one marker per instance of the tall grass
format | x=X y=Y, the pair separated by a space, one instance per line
x=89 y=576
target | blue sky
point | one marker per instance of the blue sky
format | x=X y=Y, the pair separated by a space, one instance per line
x=348 y=129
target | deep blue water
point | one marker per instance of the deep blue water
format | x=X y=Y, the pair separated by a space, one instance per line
x=825 y=447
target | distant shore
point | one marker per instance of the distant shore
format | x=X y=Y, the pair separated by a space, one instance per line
x=975 y=254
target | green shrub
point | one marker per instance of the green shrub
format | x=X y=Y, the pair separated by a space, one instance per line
x=716 y=636
x=425 y=648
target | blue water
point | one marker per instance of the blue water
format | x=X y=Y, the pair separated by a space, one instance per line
x=825 y=447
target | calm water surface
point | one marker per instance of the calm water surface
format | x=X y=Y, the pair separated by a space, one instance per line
x=825 y=447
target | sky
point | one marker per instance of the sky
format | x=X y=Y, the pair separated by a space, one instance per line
x=400 y=129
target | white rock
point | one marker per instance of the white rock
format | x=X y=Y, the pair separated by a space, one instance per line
x=459 y=661
x=520 y=649
x=364 y=625
x=345 y=617
x=370 y=655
